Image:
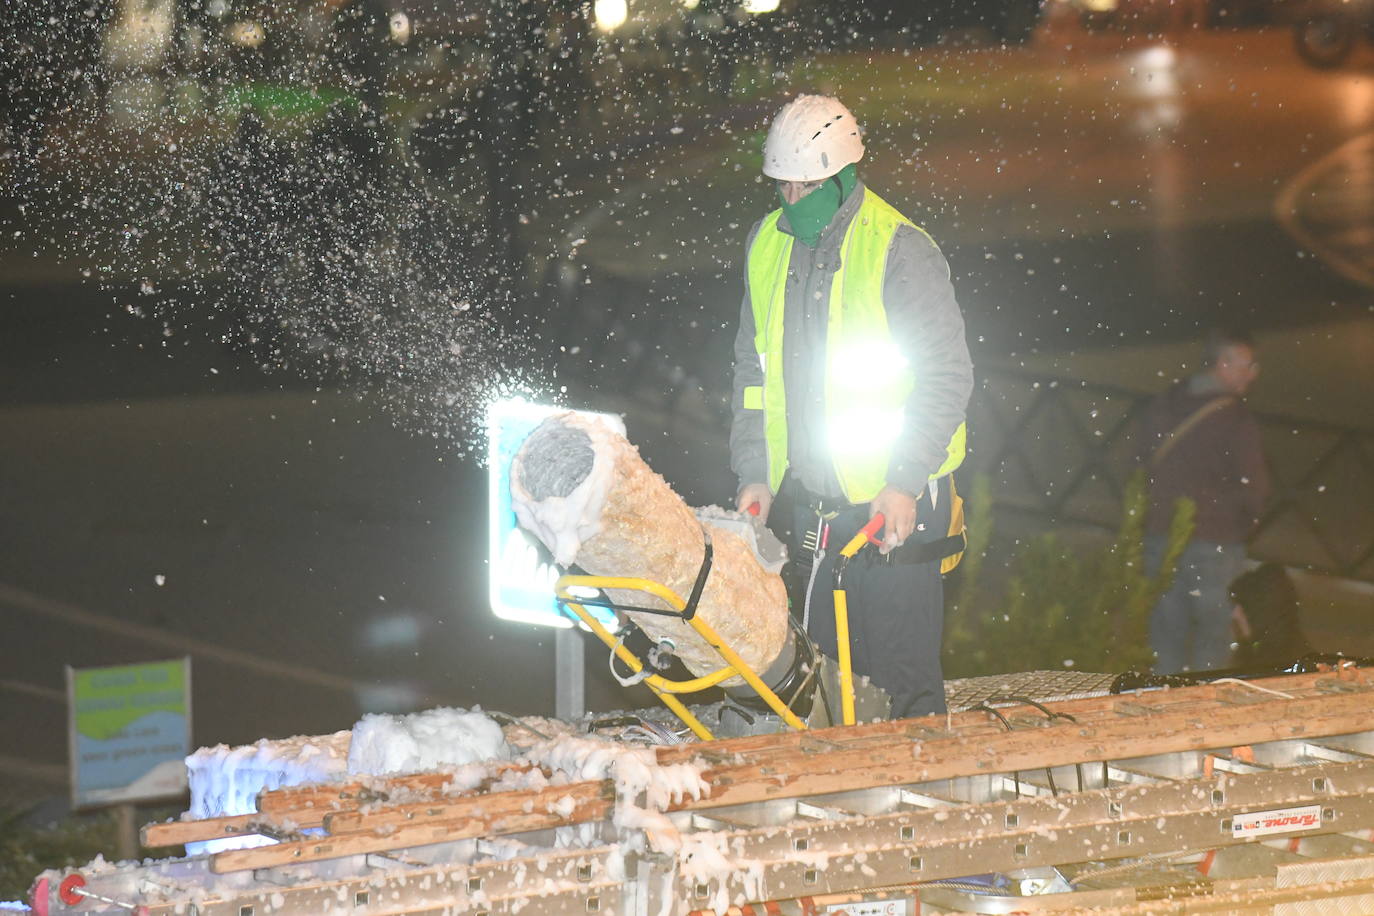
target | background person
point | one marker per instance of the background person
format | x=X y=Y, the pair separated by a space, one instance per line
x=852 y=377
x=1200 y=442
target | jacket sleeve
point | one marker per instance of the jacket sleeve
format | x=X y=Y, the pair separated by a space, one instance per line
x=924 y=319
x=748 y=450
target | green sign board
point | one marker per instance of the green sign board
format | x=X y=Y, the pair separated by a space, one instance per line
x=130 y=731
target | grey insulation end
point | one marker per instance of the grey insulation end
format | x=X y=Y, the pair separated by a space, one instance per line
x=556 y=459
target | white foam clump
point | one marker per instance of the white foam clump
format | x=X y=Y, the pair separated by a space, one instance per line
x=704 y=858
x=635 y=770
x=424 y=741
x=659 y=832
x=744 y=527
x=226 y=780
x=637 y=773
x=564 y=522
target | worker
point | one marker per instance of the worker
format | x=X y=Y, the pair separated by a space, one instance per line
x=852 y=376
x=1199 y=442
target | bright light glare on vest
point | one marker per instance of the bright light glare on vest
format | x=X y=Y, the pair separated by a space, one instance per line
x=859 y=420
x=610 y=14
x=863 y=430
x=867 y=366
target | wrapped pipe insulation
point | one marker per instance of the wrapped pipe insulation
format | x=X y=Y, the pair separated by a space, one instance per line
x=584 y=491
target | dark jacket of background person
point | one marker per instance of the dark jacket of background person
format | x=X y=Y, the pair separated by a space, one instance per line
x=1218 y=463
x=1273 y=636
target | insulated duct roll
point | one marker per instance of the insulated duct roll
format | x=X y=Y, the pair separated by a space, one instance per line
x=584 y=491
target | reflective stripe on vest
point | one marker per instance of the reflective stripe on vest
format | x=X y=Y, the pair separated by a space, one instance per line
x=867 y=379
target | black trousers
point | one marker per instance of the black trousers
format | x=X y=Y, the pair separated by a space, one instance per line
x=896 y=609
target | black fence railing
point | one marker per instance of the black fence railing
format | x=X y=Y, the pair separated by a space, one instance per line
x=1061 y=449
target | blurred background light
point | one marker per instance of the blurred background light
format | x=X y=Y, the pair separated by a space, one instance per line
x=610 y=14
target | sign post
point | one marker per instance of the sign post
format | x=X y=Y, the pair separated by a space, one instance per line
x=521 y=575
x=569 y=675
x=129 y=731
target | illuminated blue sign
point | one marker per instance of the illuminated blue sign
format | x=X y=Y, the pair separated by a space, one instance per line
x=521 y=573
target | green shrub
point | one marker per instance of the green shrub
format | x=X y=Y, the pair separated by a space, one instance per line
x=1061 y=606
x=27 y=850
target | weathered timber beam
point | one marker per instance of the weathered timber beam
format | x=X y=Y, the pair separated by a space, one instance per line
x=333 y=796
x=283 y=811
x=554 y=806
x=1150 y=702
x=177 y=833
x=1057 y=745
x=342 y=796
x=478 y=816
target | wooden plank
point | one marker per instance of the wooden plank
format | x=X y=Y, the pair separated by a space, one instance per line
x=177 y=833
x=555 y=806
x=804 y=774
x=1104 y=707
x=1058 y=745
x=333 y=847
x=899 y=732
x=302 y=807
x=338 y=796
x=487 y=815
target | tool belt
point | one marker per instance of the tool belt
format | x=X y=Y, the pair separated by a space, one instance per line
x=949 y=547
x=940 y=536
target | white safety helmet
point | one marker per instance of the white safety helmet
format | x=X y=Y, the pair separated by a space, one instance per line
x=812 y=137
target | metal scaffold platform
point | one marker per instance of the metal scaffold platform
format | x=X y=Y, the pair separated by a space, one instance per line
x=1233 y=796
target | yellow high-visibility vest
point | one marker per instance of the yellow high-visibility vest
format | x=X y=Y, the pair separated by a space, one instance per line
x=867 y=379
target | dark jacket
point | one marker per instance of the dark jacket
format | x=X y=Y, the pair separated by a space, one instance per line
x=926 y=324
x=1218 y=462
x=1269 y=599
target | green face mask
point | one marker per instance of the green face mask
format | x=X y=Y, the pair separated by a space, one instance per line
x=809 y=216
